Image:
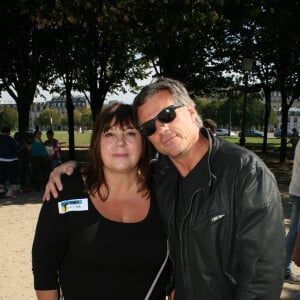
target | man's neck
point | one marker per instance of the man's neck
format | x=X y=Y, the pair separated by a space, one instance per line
x=185 y=163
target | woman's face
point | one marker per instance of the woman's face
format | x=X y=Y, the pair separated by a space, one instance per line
x=121 y=149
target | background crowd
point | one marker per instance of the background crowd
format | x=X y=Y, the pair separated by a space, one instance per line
x=26 y=161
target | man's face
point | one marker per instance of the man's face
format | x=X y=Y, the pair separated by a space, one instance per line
x=173 y=138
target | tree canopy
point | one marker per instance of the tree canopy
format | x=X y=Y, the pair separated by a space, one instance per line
x=96 y=46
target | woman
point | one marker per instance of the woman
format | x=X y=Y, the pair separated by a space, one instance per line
x=102 y=237
x=53 y=149
x=39 y=162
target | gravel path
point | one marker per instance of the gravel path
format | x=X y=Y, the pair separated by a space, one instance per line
x=18 y=219
x=17 y=224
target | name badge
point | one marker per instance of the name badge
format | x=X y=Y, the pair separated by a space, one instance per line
x=73 y=205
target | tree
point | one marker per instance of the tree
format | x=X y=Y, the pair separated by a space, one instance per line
x=96 y=51
x=8 y=117
x=49 y=118
x=286 y=46
x=65 y=64
x=228 y=112
x=77 y=117
x=175 y=33
x=83 y=117
x=86 y=118
x=268 y=31
x=24 y=52
x=105 y=45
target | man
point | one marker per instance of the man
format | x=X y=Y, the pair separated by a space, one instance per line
x=8 y=163
x=211 y=125
x=293 y=141
x=294 y=191
x=219 y=203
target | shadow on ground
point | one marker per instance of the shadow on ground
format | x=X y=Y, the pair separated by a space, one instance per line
x=26 y=198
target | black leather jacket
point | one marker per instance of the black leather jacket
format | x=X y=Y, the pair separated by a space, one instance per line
x=232 y=238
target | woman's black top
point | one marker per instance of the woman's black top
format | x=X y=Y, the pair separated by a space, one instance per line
x=91 y=257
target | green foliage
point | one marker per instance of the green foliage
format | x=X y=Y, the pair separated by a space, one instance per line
x=224 y=110
x=86 y=118
x=8 y=117
x=83 y=117
x=77 y=118
x=49 y=118
x=64 y=121
x=272 y=118
x=97 y=46
x=200 y=103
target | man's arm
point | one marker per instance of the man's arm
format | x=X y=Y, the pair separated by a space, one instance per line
x=260 y=235
x=54 y=183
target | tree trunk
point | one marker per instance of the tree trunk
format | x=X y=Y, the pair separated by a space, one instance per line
x=24 y=99
x=70 y=110
x=284 y=122
x=97 y=100
x=267 y=93
x=23 y=108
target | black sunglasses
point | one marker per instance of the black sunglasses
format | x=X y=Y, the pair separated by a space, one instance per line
x=167 y=115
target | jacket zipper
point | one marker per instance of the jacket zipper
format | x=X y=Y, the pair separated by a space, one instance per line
x=181 y=225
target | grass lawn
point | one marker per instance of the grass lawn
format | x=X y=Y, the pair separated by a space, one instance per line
x=257 y=142
x=82 y=140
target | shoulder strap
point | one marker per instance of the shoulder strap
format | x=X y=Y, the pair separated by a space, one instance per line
x=158 y=275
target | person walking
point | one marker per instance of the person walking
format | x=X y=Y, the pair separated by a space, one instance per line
x=8 y=163
x=102 y=238
x=294 y=192
x=219 y=203
x=294 y=141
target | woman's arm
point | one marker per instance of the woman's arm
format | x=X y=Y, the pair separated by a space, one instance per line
x=47 y=295
x=48 y=248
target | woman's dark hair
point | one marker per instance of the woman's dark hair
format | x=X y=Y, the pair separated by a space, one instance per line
x=121 y=115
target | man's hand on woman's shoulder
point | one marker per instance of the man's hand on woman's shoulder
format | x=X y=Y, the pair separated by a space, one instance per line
x=54 y=183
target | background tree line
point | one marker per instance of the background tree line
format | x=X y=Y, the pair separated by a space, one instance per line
x=228 y=112
x=95 y=47
x=49 y=118
x=225 y=111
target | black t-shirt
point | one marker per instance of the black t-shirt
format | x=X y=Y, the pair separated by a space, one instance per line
x=186 y=188
x=93 y=257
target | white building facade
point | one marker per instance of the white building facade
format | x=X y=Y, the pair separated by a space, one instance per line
x=293 y=114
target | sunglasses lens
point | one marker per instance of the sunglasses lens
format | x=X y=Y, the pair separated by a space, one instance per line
x=148 y=128
x=167 y=115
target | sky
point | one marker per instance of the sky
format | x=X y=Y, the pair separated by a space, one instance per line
x=126 y=98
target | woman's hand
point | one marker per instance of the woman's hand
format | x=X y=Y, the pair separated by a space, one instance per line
x=54 y=183
x=47 y=295
x=171 y=296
